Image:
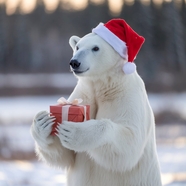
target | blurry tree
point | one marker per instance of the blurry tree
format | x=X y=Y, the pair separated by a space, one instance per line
x=183 y=16
x=22 y=44
x=3 y=45
x=174 y=51
x=183 y=11
x=142 y=21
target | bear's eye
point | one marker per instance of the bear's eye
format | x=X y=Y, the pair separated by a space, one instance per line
x=77 y=48
x=95 y=49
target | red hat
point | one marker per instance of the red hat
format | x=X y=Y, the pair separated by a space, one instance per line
x=123 y=39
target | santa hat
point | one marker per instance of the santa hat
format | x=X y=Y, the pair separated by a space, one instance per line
x=123 y=39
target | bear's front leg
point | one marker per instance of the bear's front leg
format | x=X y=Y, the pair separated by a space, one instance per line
x=41 y=129
x=49 y=147
x=83 y=136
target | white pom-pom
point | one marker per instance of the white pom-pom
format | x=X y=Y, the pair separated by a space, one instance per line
x=129 y=68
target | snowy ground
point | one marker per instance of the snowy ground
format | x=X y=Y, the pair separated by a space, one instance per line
x=16 y=114
x=33 y=173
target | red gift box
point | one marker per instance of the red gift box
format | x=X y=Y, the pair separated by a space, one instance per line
x=75 y=113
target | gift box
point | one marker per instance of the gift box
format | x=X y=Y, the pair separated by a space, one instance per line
x=68 y=112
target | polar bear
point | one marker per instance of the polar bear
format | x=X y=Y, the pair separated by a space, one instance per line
x=116 y=147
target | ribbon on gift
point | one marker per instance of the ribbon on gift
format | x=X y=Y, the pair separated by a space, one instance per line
x=67 y=104
x=63 y=101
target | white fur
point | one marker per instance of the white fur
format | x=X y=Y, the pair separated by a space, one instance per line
x=117 y=146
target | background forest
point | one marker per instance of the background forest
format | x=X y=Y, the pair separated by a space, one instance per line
x=37 y=41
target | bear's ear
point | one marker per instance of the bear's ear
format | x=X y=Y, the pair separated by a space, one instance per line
x=73 y=41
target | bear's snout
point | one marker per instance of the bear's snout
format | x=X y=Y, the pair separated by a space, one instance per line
x=74 y=64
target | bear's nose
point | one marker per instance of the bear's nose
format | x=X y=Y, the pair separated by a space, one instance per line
x=74 y=64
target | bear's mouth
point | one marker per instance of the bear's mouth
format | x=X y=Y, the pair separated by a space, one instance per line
x=80 y=72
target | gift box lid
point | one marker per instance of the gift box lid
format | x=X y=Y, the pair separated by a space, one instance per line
x=74 y=109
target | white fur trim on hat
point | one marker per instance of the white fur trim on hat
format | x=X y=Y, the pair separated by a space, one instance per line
x=118 y=45
x=129 y=68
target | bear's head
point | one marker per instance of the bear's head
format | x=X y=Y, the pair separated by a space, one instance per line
x=93 y=56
